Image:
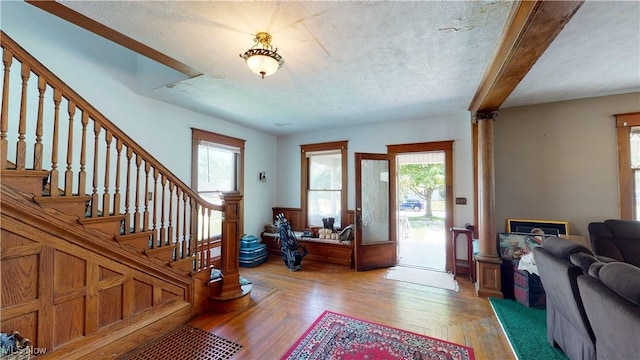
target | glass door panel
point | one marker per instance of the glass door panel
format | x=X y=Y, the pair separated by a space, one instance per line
x=375 y=201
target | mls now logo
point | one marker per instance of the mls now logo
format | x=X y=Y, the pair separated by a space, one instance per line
x=37 y=350
x=4 y=351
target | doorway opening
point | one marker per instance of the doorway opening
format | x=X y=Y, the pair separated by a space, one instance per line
x=422 y=211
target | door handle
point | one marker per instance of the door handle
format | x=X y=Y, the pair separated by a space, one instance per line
x=358 y=219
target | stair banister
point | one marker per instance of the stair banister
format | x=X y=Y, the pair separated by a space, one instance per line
x=186 y=220
x=18 y=52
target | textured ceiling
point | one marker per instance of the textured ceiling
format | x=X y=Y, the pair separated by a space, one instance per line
x=349 y=63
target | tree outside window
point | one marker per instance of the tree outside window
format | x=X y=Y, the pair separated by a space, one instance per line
x=423 y=181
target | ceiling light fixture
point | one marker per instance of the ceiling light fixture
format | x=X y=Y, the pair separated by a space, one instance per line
x=263 y=61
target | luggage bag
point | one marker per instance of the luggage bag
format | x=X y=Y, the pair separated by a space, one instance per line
x=252 y=252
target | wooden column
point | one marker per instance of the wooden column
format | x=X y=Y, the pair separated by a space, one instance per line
x=230 y=261
x=231 y=296
x=531 y=28
x=487 y=261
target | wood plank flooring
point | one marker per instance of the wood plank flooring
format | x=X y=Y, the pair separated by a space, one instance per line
x=284 y=304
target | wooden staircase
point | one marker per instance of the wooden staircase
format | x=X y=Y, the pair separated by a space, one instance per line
x=111 y=252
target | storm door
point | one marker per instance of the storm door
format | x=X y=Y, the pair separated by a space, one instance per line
x=375 y=243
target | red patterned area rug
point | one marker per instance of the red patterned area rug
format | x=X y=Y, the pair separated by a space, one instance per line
x=336 y=336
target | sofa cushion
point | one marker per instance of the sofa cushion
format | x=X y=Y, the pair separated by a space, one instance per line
x=616 y=239
x=623 y=279
x=624 y=229
x=563 y=248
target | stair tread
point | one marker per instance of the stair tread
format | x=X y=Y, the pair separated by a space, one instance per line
x=61 y=195
x=102 y=218
x=24 y=172
x=161 y=248
x=128 y=236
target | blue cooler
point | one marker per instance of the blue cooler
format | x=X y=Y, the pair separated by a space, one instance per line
x=252 y=251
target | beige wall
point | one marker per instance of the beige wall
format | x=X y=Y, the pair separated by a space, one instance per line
x=558 y=161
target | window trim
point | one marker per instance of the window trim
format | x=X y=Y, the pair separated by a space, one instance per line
x=198 y=135
x=624 y=122
x=304 y=177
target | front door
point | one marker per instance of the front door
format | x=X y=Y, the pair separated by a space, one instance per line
x=375 y=243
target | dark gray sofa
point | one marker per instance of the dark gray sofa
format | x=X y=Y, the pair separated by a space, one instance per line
x=611 y=298
x=567 y=324
x=616 y=240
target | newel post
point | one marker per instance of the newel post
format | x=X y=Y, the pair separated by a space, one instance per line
x=230 y=260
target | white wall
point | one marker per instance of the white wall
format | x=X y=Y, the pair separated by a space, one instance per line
x=374 y=139
x=558 y=161
x=105 y=74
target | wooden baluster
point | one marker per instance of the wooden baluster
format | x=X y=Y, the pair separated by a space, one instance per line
x=170 y=224
x=155 y=207
x=193 y=227
x=38 y=147
x=7 y=59
x=106 y=198
x=145 y=214
x=21 y=150
x=96 y=147
x=179 y=239
x=68 y=174
x=202 y=242
x=208 y=262
x=53 y=178
x=82 y=175
x=136 y=216
x=185 y=248
x=127 y=197
x=163 y=233
x=116 y=195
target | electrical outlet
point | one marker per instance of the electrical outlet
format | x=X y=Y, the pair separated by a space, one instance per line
x=461 y=201
x=150 y=196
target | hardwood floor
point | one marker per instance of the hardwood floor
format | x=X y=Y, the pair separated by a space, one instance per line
x=284 y=304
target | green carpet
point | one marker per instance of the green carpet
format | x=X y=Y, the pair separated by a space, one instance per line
x=526 y=330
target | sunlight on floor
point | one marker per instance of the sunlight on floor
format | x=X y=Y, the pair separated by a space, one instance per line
x=423 y=244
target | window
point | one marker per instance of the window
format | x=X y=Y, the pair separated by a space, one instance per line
x=217 y=165
x=324 y=179
x=629 y=164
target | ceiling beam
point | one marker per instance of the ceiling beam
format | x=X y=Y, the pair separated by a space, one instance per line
x=95 y=27
x=532 y=26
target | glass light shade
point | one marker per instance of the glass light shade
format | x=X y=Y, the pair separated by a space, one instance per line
x=262 y=65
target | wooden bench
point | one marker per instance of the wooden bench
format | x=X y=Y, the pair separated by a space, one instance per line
x=324 y=250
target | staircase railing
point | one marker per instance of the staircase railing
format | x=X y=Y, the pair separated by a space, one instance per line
x=91 y=156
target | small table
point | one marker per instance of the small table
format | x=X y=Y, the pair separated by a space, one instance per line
x=455 y=232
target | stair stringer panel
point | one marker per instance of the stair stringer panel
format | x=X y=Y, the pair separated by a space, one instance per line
x=75 y=294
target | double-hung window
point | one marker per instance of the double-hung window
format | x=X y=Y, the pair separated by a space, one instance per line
x=217 y=163
x=216 y=168
x=324 y=181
